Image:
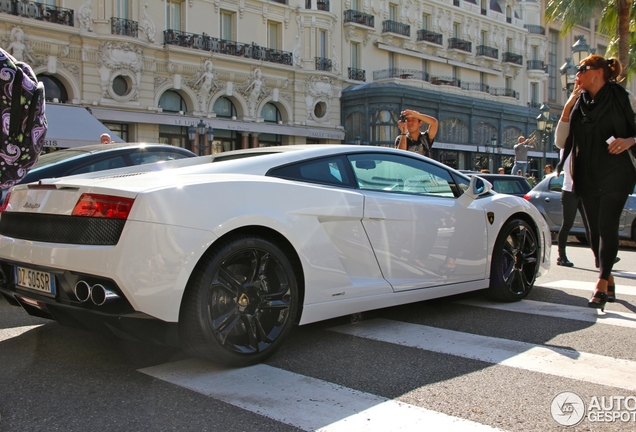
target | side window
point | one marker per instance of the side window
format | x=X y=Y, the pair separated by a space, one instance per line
x=329 y=171
x=400 y=174
x=556 y=184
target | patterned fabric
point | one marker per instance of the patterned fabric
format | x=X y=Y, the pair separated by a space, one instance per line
x=24 y=123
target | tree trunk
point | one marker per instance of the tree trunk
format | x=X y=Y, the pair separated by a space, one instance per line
x=623 y=35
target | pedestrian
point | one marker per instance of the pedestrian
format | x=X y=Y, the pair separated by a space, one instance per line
x=547 y=170
x=411 y=138
x=105 y=139
x=501 y=170
x=521 y=154
x=531 y=179
x=570 y=203
x=597 y=128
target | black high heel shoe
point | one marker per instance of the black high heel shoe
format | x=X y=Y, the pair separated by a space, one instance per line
x=611 y=293
x=598 y=300
x=564 y=261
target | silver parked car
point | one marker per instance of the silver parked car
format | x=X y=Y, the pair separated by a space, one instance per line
x=546 y=196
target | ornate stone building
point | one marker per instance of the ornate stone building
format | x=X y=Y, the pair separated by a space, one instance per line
x=272 y=72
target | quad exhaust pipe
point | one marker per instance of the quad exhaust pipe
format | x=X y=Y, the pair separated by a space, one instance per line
x=97 y=293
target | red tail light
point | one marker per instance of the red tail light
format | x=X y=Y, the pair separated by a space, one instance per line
x=5 y=203
x=527 y=197
x=111 y=207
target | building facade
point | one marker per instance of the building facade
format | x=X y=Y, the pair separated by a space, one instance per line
x=272 y=72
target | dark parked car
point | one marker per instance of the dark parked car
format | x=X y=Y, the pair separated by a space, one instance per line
x=505 y=183
x=99 y=157
x=546 y=197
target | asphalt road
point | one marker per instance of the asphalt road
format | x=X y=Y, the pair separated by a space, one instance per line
x=458 y=363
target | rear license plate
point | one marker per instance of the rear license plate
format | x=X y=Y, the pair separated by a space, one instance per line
x=35 y=280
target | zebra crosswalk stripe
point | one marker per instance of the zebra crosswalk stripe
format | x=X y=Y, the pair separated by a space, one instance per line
x=523 y=355
x=304 y=402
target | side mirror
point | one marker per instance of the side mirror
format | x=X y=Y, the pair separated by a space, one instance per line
x=476 y=188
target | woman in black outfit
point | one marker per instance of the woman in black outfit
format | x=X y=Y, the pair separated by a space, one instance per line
x=597 y=129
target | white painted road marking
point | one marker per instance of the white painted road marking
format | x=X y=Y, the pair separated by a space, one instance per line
x=12 y=332
x=620 y=319
x=589 y=286
x=303 y=402
x=549 y=360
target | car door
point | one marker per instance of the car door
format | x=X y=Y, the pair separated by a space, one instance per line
x=551 y=197
x=415 y=223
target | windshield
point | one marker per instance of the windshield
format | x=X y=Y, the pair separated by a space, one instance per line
x=56 y=156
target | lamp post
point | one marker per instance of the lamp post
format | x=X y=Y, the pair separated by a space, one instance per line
x=203 y=133
x=496 y=150
x=357 y=140
x=580 y=50
x=545 y=124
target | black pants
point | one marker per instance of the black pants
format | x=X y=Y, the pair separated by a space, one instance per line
x=570 y=203
x=603 y=215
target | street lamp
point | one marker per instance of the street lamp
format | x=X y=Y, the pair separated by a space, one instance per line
x=357 y=140
x=201 y=131
x=580 y=50
x=545 y=124
x=496 y=149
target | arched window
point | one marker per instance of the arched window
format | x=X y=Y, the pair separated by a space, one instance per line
x=483 y=132
x=223 y=107
x=171 y=101
x=53 y=89
x=510 y=136
x=270 y=113
x=452 y=130
x=384 y=128
x=355 y=125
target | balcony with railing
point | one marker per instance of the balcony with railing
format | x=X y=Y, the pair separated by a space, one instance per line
x=475 y=86
x=459 y=44
x=535 y=29
x=228 y=47
x=357 y=74
x=39 y=11
x=405 y=74
x=323 y=64
x=486 y=51
x=121 y=26
x=357 y=17
x=445 y=80
x=429 y=36
x=509 y=57
x=499 y=91
x=389 y=26
x=536 y=65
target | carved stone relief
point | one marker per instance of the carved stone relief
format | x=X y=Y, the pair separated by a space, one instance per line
x=115 y=59
x=147 y=25
x=84 y=16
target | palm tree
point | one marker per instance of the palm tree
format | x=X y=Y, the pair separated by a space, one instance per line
x=615 y=20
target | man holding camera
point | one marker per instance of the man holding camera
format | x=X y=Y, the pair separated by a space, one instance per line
x=411 y=138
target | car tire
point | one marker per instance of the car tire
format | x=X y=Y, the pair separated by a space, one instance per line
x=240 y=303
x=514 y=262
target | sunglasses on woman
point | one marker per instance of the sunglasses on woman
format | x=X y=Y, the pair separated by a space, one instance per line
x=584 y=68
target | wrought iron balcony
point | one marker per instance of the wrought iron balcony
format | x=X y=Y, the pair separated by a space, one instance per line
x=124 y=27
x=357 y=17
x=536 y=65
x=39 y=11
x=389 y=26
x=445 y=80
x=498 y=91
x=414 y=74
x=509 y=57
x=229 y=47
x=475 y=86
x=323 y=64
x=357 y=74
x=486 y=51
x=462 y=45
x=429 y=36
x=535 y=29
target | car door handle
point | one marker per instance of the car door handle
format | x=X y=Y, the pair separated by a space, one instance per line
x=547 y=200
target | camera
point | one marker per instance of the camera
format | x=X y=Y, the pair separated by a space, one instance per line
x=402 y=118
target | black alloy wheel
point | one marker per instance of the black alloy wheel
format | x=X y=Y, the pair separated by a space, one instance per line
x=240 y=303
x=514 y=262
